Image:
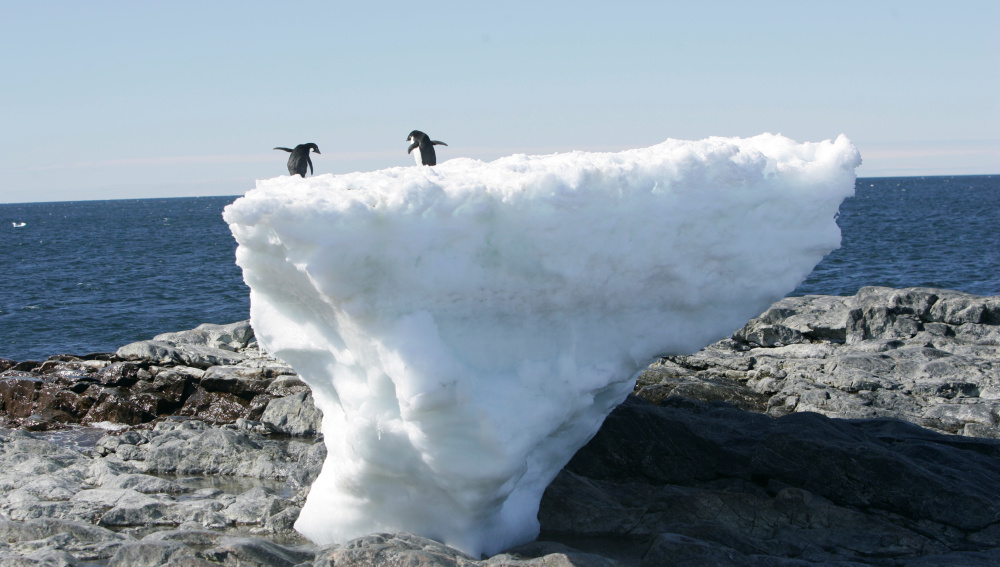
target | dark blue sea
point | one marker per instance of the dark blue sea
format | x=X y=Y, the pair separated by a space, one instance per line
x=90 y=276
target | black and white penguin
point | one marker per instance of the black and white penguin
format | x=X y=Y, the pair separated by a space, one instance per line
x=425 y=148
x=299 y=160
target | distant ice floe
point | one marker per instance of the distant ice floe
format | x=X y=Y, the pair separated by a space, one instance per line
x=466 y=328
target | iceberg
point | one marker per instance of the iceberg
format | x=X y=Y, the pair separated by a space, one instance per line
x=465 y=328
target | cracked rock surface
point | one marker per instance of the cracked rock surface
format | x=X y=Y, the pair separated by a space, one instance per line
x=837 y=431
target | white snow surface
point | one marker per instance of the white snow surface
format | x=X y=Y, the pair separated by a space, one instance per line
x=465 y=328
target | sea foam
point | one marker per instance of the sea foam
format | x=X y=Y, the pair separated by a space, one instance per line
x=466 y=328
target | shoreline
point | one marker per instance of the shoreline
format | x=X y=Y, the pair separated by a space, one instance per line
x=855 y=429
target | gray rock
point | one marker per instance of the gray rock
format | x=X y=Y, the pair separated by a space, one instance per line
x=65 y=506
x=195 y=538
x=753 y=474
x=392 y=549
x=294 y=415
x=411 y=550
x=163 y=352
x=256 y=552
x=233 y=336
x=927 y=356
x=255 y=506
x=125 y=507
x=154 y=553
x=547 y=554
x=753 y=490
x=187 y=449
x=205 y=356
x=158 y=352
x=286 y=385
x=85 y=541
x=680 y=550
x=283 y=521
x=45 y=557
x=145 y=484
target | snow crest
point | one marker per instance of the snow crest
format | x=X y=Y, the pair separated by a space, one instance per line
x=466 y=328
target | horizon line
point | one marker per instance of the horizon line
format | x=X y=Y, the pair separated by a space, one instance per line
x=237 y=195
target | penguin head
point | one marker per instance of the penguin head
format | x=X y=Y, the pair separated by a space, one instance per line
x=416 y=136
x=311 y=146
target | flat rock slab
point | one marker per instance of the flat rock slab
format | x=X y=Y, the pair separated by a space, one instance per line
x=926 y=356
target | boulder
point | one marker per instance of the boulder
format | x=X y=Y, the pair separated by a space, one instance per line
x=293 y=415
x=169 y=353
x=233 y=336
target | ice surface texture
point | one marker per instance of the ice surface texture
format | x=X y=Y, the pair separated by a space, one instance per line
x=466 y=328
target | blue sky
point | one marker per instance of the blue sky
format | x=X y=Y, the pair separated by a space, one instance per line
x=105 y=100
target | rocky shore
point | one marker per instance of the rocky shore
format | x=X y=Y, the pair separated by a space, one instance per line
x=830 y=430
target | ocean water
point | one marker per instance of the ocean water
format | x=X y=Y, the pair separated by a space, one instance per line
x=915 y=231
x=90 y=276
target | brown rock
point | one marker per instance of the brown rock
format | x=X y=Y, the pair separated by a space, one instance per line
x=120 y=374
x=17 y=393
x=122 y=406
x=215 y=407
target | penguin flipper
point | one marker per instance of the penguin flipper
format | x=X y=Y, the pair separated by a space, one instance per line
x=286 y=149
x=310 y=162
x=412 y=147
x=437 y=143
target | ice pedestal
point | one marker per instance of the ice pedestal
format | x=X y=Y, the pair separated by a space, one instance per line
x=466 y=328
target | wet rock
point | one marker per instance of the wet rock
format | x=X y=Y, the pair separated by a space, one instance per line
x=174 y=386
x=122 y=374
x=215 y=407
x=47 y=401
x=194 y=373
x=119 y=405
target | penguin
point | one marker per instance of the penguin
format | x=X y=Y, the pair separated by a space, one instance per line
x=424 y=146
x=299 y=159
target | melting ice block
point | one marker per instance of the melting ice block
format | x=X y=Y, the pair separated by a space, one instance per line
x=466 y=328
